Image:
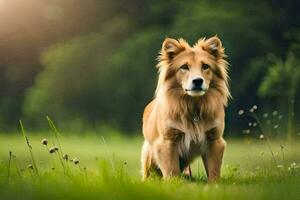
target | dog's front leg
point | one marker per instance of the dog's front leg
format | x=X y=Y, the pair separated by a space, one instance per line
x=213 y=158
x=167 y=157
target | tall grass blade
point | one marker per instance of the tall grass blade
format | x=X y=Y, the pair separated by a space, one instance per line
x=29 y=147
x=56 y=134
x=55 y=131
x=8 y=168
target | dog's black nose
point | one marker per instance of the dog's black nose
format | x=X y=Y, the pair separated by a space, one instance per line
x=198 y=82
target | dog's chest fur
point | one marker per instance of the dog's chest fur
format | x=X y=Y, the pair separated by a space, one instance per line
x=192 y=141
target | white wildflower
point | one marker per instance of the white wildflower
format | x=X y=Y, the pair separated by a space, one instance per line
x=261 y=136
x=241 y=112
x=280 y=166
x=293 y=165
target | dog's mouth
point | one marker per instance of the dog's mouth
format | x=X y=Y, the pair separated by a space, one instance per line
x=196 y=92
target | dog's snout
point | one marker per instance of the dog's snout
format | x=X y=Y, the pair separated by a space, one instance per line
x=198 y=82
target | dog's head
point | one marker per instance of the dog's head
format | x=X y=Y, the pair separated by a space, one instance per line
x=193 y=70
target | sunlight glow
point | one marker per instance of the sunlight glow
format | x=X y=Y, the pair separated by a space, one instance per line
x=1 y=4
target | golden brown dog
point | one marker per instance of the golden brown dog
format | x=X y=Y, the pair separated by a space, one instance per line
x=186 y=117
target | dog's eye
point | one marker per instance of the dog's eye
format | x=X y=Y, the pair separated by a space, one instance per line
x=205 y=67
x=184 y=67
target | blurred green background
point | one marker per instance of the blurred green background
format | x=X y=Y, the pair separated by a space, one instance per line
x=90 y=64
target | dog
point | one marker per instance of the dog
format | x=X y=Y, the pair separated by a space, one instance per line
x=185 y=119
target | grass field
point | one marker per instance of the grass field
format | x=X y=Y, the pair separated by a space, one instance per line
x=109 y=168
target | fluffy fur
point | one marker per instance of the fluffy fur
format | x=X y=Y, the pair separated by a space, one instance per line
x=173 y=136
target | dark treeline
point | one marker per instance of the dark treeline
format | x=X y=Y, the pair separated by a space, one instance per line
x=92 y=63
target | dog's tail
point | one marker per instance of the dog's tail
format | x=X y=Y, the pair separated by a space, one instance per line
x=146 y=160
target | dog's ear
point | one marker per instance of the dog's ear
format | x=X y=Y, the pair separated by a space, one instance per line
x=171 y=48
x=214 y=46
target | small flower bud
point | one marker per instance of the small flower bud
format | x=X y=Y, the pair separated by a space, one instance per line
x=52 y=150
x=30 y=166
x=44 y=141
x=75 y=161
x=66 y=157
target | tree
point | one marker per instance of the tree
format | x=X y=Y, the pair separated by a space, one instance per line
x=75 y=79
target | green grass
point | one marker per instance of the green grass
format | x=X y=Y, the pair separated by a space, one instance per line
x=109 y=168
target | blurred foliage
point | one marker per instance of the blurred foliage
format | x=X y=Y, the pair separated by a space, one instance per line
x=282 y=82
x=97 y=66
x=282 y=77
x=75 y=77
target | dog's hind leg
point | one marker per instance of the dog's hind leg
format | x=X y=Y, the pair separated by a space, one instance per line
x=185 y=168
x=187 y=171
x=146 y=160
